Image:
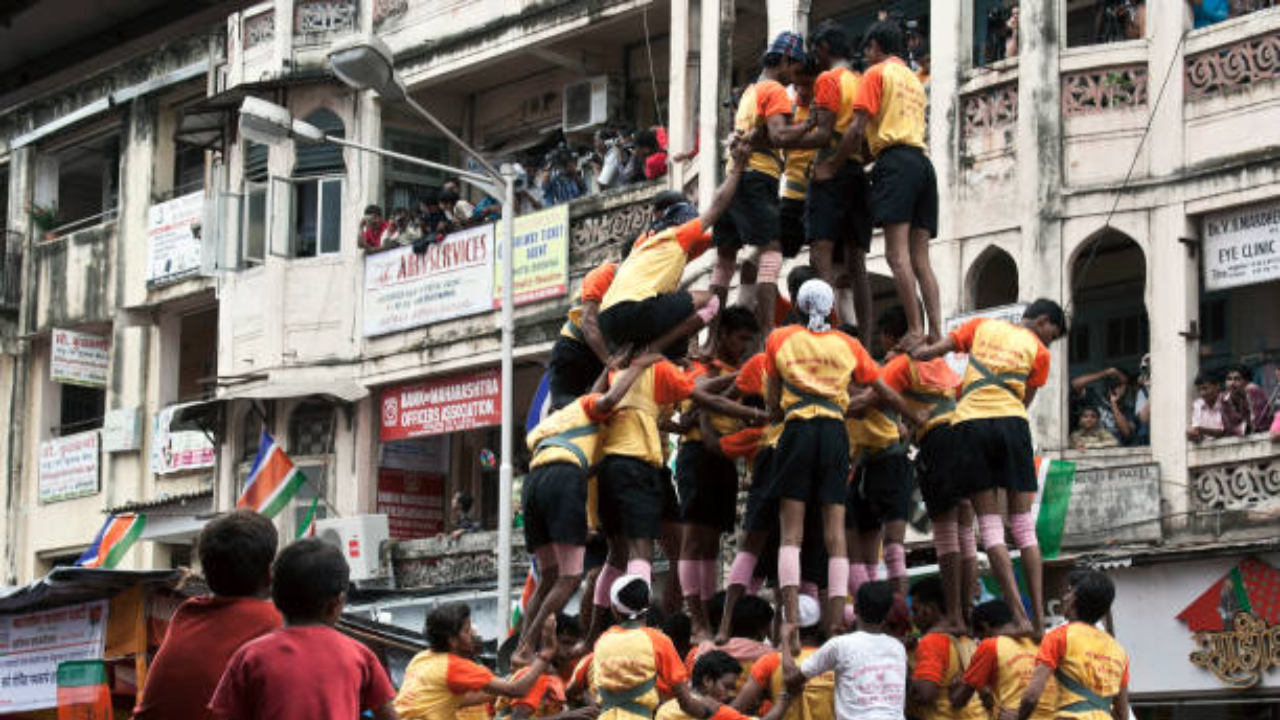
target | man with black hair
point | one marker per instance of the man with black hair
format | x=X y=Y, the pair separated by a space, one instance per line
x=889 y=114
x=750 y=626
x=870 y=667
x=707 y=482
x=437 y=681
x=1090 y=667
x=765 y=677
x=462 y=521
x=797 y=161
x=1002 y=666
x=580 y=351
x=940 y=658
x=644 y=306
x=340 y=677
x=1007 y=364
x=764 y=110
x=715 y=676
x=235 y=553
x=548 y=697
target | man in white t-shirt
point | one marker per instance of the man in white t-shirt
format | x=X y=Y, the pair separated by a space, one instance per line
x=870 y=666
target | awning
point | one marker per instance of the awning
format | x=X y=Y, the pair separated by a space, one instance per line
x=70 y=585
x=173 y=518
x=347 y=391
x=202 y=417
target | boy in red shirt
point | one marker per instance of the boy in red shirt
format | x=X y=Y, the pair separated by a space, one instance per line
x=235 y=552
x=306 y=670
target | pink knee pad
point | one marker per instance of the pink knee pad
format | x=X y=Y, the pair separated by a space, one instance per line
x=708 y=311
x=722 y=273
x=643 y=568
x=945 y=540
x=744 y=565
x=788 y=566
x=873 y=571
x=604 y=583
x=857 y=578
x=1023 y=526
x=968 y=541
x=546 y=557
x=709 y=575
x=690 y=578
x=837 y=575
x=895 y=559
x=992 y=530
x=770 y=267
x=569 y=558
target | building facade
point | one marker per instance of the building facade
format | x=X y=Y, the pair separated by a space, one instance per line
x=1136 y=181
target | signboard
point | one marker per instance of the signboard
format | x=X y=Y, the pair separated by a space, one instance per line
x=425 y=454
x=542 y=256
x=453 y=278
x=446 y=405
x=120 y=430
x=79 y=358
x=69 y=467
x=32 y=645
x=412 y=501
x=173 y=452
x=1242 y=246
x=1113 y=504
x=173 y=239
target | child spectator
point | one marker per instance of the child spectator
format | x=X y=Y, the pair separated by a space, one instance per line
x=372 y=226
x=1115 y=406
x=1090 y=435
x=1207 y=416
x=306 y=670
x=1244 y=403
x=235 y=554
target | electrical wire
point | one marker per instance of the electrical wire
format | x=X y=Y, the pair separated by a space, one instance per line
x=653 y=76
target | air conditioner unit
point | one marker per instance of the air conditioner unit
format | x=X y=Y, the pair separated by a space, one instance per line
x=362 y=540
x=587 y=104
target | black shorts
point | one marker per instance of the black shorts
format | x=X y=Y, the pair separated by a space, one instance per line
x=597 y=552
x=752 y=218
x=708 y=485
x=791 y=226
x=761 y=514
x=670 y=499
x=630 y=497
x=812 y=462
x=880 y=491
x=904 y=189
x=934 y=470
x=838 y=209
x=573 y=370
x=997 y=454
x=555 y=505
x=639 y=322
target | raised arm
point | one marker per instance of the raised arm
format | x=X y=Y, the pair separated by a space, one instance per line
x=622 y=384
x=1088 y=379
x=591 y=330
x=740 y=152
x=930 y=351
x=542 y=664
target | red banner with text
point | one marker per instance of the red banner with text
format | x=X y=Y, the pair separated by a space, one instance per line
x=440 y=406
x=412 y=501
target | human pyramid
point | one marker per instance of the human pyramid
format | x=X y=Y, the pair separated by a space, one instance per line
x=782 y=384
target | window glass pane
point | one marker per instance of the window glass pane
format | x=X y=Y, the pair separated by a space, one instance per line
x=81 y=409
x=331 y=216
x=306 y=215
x=255 y=229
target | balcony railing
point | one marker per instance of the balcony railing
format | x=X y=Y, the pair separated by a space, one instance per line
x=11 y=272
x=1233 y=67
x=1235 y=474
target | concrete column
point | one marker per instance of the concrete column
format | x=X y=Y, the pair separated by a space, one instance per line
x=945 y=44
x=709 y=83
x=1165 y=57
x=1039 y=148
x=679 y=115
x=790 y=15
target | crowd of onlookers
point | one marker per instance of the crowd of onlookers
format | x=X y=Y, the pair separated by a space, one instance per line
x=1211 y=12
x=1231 y=404
x=437 y=214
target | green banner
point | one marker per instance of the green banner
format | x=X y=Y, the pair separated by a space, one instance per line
x=1053 y=506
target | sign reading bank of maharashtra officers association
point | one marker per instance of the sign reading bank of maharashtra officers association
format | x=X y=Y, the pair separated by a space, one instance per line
x=452 y=279
x=79 y=358
x=443 y=405
x=1242 y=246
x=32 y=645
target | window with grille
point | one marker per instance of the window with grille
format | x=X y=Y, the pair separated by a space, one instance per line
x=311 y=430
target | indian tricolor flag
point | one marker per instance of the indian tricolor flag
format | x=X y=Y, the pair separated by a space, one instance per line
x=1054 y=481
x=113 y=540
x=273 y=480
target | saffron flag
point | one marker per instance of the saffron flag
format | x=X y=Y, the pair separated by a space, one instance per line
x=113 y=540
x=83 y=692
x=273 y=480
x=1055 y=479
x=1250 y=587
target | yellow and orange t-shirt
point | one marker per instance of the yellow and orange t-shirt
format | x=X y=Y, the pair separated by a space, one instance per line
x=436 y=683
x=939 y=658
x=594 y=286
x=1005 y=666
x=895 y=103
x=627 y=657
x=752 y=378
x=568 y=435
x=632 y=430
x=796 y=165
x=761 y=101
x=1003 y=349
x=834 y=91
x=544 y=699
x=815 y=369
x=670 y=710
x=1089 y=657
x=656 y=263
x=723 y=424
x=924 y=385
x=818 y=700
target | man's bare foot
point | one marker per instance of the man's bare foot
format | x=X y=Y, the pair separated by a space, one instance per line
x=722 y=637
x=909 y=342
x=699 y=635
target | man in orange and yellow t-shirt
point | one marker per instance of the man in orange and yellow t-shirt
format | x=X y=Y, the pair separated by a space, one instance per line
x=1002 y=665
x=939 y=660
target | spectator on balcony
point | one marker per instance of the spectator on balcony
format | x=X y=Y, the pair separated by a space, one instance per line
x=1245 y=403
x=372 y=225
x=558 y=179
x=458 y=209
x=1115 y=405
x=463 y=523
x=1090 y=435
x=646 y=145
x=1209 y=12
x=1011 y=38
x=1208 y=419
x=1142 y=402
x=655 y=165
x=609 y=159
x=401 y=229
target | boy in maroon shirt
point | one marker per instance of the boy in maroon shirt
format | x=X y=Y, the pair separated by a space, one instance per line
x=235 y=553
x=306 y=670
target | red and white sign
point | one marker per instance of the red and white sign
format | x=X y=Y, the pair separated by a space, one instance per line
x=413 y=503
x=452 y=279
x=447 y=405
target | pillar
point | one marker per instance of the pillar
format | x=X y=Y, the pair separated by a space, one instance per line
x=679 y=98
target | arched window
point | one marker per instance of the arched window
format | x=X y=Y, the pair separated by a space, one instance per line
x=317 y=177
x=993 y=280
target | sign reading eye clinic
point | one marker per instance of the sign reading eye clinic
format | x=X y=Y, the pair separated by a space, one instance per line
x=1242 y=246
x=79 y=358
x=446 y=405
x=453 y=278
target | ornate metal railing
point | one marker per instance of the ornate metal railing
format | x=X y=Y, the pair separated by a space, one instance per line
x=1234 y=67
